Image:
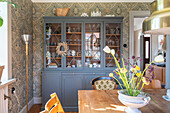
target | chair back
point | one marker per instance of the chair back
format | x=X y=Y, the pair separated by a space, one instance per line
x=103 y=83
x=53 y=105
x=155 y=84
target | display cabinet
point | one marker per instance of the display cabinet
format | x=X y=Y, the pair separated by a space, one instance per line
x=85 y=59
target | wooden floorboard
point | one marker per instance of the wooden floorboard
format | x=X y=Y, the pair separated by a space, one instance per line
x=36 y=108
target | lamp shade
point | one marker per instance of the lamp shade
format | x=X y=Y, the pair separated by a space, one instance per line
x=159 y=21
x=26 y=38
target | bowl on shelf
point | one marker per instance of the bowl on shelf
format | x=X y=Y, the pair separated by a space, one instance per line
x=62 y=11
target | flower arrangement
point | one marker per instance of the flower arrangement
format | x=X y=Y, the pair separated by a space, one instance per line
x=130 y=85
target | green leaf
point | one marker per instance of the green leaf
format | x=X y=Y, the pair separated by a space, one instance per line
x=1 y=21
x=2 y=0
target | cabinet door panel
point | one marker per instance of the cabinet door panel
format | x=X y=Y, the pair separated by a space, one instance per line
x=50 y=84
x=113 y=41
x=70 y=86
x=53 y=37
x=74 y=41
x=93 y=45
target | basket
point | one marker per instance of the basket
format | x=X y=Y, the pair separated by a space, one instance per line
x=1 y=70
x=62 y=11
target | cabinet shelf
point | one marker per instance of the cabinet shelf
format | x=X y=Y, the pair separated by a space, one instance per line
x=55 y=34
x=73 y=56
x=74 y=44
x=70 y=33
x=112 y=34
x=114 y=46
x=92 y=32
x=57 y=58
x=92 y=56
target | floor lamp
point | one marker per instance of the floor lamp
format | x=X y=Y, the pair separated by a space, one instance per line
x=159 y=23
x=26 y=38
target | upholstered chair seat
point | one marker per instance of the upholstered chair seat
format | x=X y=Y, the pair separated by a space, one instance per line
x=103 y=83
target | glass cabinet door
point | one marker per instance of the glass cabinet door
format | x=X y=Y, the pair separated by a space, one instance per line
x=53 y=37
x=113 y=40
x=73 y=39
x=92 y=45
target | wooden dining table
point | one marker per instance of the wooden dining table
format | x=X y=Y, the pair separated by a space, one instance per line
x=106 y=101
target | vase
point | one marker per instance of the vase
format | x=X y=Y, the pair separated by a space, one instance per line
x=132 y=102
x=1 y=70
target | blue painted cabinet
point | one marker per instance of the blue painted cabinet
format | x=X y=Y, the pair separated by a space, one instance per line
x=85 y=60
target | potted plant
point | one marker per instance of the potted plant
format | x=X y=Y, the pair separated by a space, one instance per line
x=131 y=93
x=14 y=5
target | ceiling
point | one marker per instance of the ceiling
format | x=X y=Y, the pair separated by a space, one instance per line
x=92 y=0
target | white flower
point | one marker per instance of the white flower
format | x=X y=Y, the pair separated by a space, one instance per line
x=159 y=58
x=106 y=49
x=112 y=51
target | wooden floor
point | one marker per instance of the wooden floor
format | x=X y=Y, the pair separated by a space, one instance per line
x=37 y=108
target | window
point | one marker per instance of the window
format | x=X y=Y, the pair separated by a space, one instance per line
x=4 y=40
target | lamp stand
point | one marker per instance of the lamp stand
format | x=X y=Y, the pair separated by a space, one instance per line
x=27 y=53
x=26 y=38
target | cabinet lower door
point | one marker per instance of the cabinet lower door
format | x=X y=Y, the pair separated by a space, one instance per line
x=50 y=84
x=70 y=86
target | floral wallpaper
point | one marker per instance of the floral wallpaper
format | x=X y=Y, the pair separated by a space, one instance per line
x=76 y=9
x=21 y=24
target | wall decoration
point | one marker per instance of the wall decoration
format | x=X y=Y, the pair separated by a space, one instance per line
x=59 y=51
x=76 y=11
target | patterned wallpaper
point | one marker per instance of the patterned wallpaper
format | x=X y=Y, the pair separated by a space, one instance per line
x=76 y=9
x=21 y=24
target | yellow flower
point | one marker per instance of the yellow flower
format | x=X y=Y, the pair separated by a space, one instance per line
x=145 y=80
x=123 y=70
x=133 y=70
x=137 y=68
x=111 y=75
x=139 y=74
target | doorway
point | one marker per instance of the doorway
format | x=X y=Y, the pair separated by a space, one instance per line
x=136 y=19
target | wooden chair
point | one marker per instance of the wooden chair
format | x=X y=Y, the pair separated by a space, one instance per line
x=155 y=84
x=53 y=105
x=103 y=83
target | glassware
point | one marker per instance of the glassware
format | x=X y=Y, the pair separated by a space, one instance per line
x=78 y=63
x=112 y=31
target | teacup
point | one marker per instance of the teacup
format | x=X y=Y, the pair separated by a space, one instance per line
x=90 y=65
x=73 y=66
